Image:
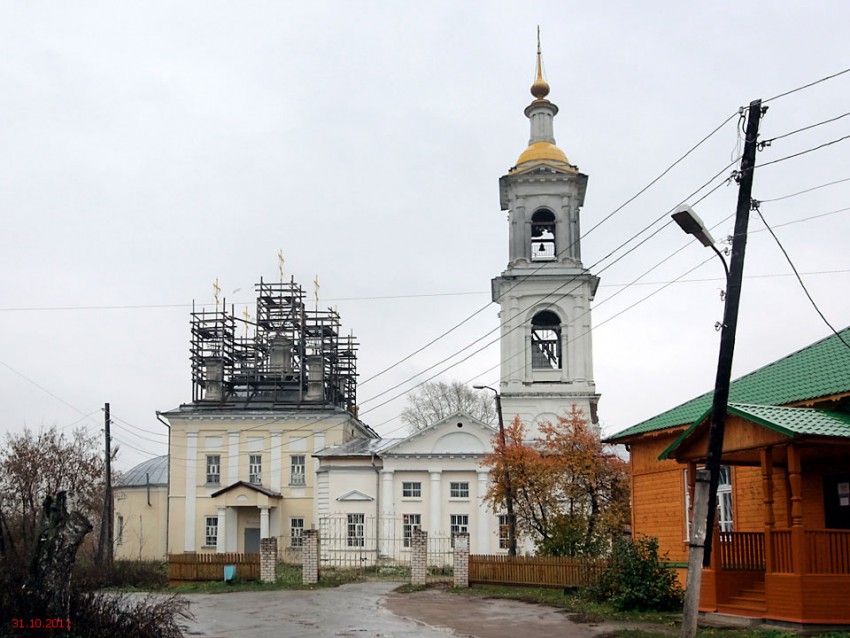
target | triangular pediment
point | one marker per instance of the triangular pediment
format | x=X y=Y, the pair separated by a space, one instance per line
x=355 y=495
x=457 y=435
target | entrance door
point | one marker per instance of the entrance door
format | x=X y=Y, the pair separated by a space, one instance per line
x=252 y=540
x=836 y=497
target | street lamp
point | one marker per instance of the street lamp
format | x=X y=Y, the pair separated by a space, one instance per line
x=506 y=474
x=690 y=222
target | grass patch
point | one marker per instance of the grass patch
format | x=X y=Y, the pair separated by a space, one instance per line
x=573 y=601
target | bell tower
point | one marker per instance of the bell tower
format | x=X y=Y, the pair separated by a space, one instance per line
x=545 y=292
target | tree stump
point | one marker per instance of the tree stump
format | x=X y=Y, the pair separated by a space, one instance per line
x=60 y=534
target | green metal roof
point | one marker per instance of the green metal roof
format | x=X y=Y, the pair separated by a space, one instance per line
x=787 y=421
x=821 y=369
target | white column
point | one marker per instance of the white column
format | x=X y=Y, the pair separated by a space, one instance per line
x=274 y=442
x=220 y=543
x=484 y=517
x=387 y=513
x=233 y=457
x=189 y=527
x=264 y=522
x=387 y=500
x=435 y=496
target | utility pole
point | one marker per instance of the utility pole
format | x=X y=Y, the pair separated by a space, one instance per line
x=700 y=544
x=105 y=542
x=506 y=473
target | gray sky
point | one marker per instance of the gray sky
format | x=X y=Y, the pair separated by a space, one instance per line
x=147 y=148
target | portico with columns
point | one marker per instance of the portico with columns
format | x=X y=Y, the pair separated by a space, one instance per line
x=432 y=480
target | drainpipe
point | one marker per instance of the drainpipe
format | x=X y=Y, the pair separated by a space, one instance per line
x=167 y=480
x=377 y=506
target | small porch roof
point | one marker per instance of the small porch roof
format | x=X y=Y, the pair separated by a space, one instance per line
x=780 y=422
x=242 y=493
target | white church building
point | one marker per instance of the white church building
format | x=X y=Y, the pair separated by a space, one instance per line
x=271 y=445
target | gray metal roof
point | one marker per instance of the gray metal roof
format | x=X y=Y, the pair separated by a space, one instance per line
x=155 y=470
x=356 y=447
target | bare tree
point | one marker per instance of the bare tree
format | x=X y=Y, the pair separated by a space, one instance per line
x=437 y=400
x=34 y=466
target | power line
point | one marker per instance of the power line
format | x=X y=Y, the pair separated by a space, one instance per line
x=807 y=190
x=768 y=142
x=805 y=86
x=810 y=150
x=799 y=279
x=577 y=239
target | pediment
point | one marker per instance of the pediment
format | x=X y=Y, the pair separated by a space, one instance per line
x=457 y=435
x=355 y=495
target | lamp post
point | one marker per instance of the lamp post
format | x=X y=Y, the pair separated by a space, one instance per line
x=688 y=220
x=506 y=474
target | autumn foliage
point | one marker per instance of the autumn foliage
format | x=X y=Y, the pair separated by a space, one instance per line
x=570 y=490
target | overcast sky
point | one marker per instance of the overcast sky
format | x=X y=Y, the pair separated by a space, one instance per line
x=147 y=148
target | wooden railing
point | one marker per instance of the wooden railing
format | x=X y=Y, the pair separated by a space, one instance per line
x=829 y=551
x=537 y=571
x=782 y=559
x=741 y=550
x=192 y=567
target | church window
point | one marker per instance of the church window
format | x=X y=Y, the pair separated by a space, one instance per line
x=543 y=236
x=459 y=490
x=255 y=469
x=296 y=531
x=297 y=474
x=213 y=468
x=412 y=489
x=210 y=531
x=546 y=341
x=411 y=522
x=356 y=530
x=504 y=538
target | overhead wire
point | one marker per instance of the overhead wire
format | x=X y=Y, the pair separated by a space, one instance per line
x=565 y=250
x=805 y=86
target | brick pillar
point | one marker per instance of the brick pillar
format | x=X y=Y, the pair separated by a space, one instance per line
x=418 y=557
x=461 y=560
x=310 y=557
x=268 y=559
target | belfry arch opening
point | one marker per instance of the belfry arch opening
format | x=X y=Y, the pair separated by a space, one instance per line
x=546 y=341
x=543 y=236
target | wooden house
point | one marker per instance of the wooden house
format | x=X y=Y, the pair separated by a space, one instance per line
x=782 y=542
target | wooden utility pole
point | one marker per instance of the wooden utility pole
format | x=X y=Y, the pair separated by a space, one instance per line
x=105 y=542
x=700 y=542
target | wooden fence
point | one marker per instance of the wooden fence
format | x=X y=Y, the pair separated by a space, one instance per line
x=829 y=551
x=194 y=567
x=535 y=571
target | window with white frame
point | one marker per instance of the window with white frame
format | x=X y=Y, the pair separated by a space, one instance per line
x=297 y=471
x=296 y=532
x=210 y=531
x=724 y=499
x=459 y=490
x=724 y=502
x=504 y=539
x=119 y=532
x=458 y=524
x=411 y=489
x=410 y=523
x=356 y=530
x=213 y=468
x=255 y=469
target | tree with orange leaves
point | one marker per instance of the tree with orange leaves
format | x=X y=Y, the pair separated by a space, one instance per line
x=571 y=491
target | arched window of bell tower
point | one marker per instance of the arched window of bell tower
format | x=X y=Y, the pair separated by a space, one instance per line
x=546 y=341
x=543 y=235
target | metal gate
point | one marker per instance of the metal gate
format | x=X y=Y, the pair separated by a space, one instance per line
x=358 y=541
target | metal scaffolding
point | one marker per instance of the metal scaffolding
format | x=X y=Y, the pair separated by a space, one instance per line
x=288 y=355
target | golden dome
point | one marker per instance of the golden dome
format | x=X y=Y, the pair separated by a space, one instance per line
x=544 y=152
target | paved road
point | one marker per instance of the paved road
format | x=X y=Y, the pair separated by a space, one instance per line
x=371 y=609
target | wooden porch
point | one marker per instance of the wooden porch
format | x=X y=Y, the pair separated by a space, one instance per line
x=791 y=560
x=783 y=574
